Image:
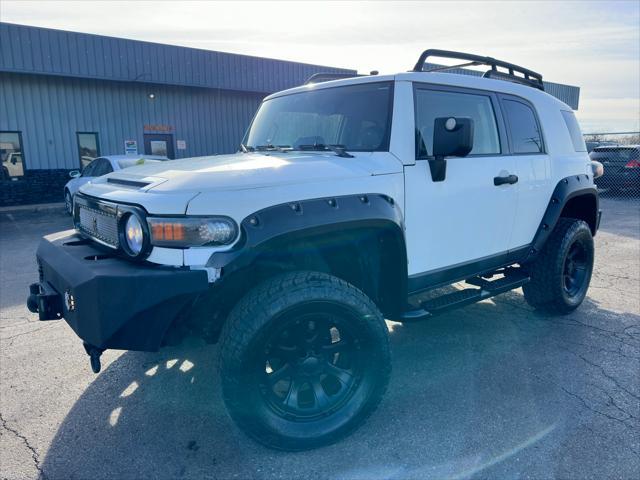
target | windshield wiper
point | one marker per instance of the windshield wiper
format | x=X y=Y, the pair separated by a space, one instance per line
x=339 y=150
x=246 y=149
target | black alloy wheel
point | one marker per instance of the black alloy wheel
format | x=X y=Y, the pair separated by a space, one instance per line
x=561 y=273
x=304 y=360
x=575 y=270
x=312 y=363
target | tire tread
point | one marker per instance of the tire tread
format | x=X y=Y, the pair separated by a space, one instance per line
x=542 y=292
x=255 y=309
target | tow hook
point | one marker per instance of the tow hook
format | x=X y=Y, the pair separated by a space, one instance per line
x=94 y=356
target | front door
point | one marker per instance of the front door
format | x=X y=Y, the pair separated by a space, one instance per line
x=159 y=144
x=465 y=219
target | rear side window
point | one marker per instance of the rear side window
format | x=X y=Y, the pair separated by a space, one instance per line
x=574 y=131
x=525 y=132
x=431 y=104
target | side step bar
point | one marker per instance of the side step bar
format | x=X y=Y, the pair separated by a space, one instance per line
x=513 y=278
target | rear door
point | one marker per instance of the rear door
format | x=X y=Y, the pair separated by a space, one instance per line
x=466 y=219
x=532 y=166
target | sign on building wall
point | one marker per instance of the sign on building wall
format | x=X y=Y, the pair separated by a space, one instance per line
x=158 y=128
x=131 y=147
x=181 y=144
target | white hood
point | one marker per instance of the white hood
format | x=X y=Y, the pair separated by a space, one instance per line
x=184 y=179
x=240 y=184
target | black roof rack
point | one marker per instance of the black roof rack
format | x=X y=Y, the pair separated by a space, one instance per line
x=526 y=77
x=327 y=76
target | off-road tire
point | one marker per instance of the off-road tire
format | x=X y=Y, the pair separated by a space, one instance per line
x=269 y=307
x=547 y=289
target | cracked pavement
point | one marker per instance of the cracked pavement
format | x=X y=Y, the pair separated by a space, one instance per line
x=494 y=390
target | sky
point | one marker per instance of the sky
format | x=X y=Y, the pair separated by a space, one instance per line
x=593 y=45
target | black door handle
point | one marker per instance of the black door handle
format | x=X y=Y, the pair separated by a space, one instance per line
x=510 y=179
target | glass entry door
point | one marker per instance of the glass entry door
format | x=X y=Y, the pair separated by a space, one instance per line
x=159 y=144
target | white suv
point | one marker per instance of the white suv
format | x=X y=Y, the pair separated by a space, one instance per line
x=347 y=199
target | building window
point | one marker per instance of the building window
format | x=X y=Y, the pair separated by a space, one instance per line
x=88 y=148
x=12 y=156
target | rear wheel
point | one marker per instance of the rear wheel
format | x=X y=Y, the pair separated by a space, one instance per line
x=561 y=274
x=304 y=360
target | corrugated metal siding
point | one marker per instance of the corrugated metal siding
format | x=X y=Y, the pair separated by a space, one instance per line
x=25 y=49
x=50 y=110
x=565 y=93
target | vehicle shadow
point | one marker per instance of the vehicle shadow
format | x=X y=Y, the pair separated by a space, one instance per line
x=483 y=389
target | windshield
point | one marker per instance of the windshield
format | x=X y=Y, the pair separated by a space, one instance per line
x=356 y=117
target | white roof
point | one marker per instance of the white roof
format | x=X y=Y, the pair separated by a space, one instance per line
x=439 y=78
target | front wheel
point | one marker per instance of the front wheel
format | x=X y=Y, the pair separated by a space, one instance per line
x=561 y=274
x=304 y=360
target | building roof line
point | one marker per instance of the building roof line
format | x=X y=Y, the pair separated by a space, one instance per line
x=35 y=50
x=158 y=44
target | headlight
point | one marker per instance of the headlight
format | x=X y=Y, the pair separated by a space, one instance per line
x=192 y=231
x=133 y=235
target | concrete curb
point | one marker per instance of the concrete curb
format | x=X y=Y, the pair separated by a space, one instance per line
x=36 y=207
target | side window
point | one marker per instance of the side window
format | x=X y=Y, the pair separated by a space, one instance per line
x=574 y=131
x=102 y=167
x=89 y=169
x=525 y=133
x=431 y=104
x=107 y=167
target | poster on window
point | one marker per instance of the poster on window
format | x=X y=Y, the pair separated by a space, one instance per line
x=131 y=147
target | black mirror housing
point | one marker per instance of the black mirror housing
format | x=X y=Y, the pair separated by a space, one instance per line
x=452 y=137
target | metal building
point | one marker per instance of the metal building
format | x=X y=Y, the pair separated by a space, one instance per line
x=67 y=97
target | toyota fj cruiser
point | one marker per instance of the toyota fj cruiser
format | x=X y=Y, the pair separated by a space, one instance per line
x=347 y=198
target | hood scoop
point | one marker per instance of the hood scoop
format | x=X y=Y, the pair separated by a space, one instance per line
x=128 y=183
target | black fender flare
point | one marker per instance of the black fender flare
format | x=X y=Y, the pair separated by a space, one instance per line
x=305 y=218
x=566 y=189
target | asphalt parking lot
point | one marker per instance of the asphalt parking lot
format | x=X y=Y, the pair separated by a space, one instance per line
x=491 y=391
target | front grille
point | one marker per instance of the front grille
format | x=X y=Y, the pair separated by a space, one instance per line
x=98 y=224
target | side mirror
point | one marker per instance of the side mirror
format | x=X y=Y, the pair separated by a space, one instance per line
x=74 y=173
x=452 y=137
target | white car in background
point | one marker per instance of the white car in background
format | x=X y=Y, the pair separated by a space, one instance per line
x=101 y=166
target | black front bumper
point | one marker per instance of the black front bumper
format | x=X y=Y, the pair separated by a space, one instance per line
x=109 y=302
